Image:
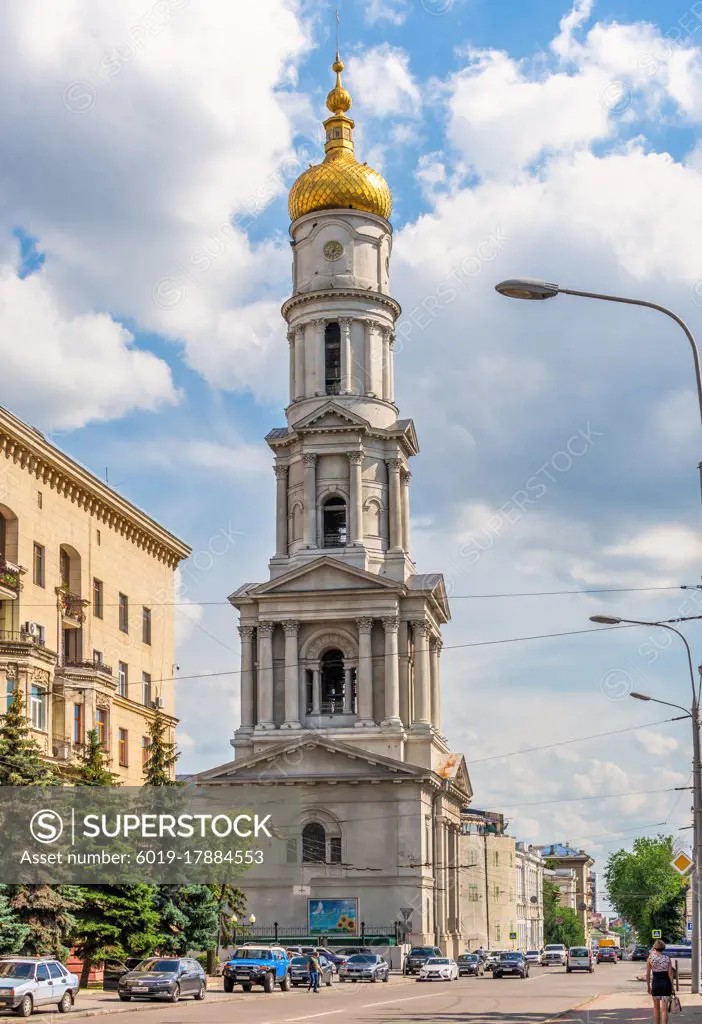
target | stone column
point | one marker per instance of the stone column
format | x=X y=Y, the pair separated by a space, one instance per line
x=247 y=680
x=316 y=691
x=281 y=510
x=356 y=495
x=320 y=383
x=309 y=460
x=405 y=702
x=395 y=504
x=265 y=675
x=391 y=367
x=405 y=479
x=364 y=675
x=435 y=645
x=348 y=687
x=385 y=362
x=346 y=359
x=421 y=672
x=392 y=673
x=291 y=347
x=368 y=328
x=292 y=676
x=300 y=362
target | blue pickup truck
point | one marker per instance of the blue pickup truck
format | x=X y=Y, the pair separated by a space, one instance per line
x=257 y=965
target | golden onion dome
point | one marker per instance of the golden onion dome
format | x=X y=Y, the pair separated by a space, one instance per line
x=340 y=182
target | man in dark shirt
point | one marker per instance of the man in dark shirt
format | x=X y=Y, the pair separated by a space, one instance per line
x=314 y=968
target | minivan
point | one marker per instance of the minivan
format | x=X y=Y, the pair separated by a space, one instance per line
x=579 y=959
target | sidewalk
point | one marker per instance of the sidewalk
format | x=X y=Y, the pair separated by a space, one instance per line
x=629 y=1008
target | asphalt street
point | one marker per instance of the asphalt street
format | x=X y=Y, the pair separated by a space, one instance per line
x=545 y=994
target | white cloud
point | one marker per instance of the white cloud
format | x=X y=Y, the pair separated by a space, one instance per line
x=655 y=742
x=665 y=544
x=393 y=12
x=382 y=84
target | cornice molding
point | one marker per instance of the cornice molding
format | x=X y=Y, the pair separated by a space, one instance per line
x=305 y=298
x=32 y=452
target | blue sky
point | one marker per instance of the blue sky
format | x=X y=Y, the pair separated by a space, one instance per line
x=145 y=257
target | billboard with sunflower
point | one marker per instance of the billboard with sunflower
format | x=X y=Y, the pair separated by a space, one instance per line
x=332 y=917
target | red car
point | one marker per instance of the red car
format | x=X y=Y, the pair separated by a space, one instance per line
x=608 y=955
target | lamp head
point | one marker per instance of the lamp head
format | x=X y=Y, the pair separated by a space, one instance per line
x=527 y=288
x=605 y=620
x=639 y=696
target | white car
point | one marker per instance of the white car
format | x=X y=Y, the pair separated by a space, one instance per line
x=533 y=957
x=554 y=955
x=439 y=968
x=492 y=958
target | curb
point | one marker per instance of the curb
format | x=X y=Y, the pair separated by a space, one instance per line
x=572 y=1009
x=156 y=1004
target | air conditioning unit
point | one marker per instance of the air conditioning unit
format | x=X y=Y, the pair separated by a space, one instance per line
x=32 y=629
x=158 y=702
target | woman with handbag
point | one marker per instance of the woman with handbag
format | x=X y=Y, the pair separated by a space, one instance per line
x=659 y=981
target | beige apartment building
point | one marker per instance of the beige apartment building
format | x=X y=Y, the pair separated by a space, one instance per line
x=487 y=882
x=572 y=871
x=529 y=867
x=86 y=605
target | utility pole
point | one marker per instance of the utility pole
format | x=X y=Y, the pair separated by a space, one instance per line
x=697 y=836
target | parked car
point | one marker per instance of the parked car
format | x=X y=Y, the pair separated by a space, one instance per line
x=533 y=957
x=640 y=953
x=336 y=957
x=511 y=963
x=164 y=978
x=606 y=955
x=554 y=955
x=365 y=967
x=300 y=974
x=29 y=982
x=115 y=969
x=418 y=956
x=439 y=968
x=348 y=951
x=579 y=959
x=258 y=965
x=470 y=963
x=492 y=957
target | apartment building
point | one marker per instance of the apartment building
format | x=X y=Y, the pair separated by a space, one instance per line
x=572 y=876
x=487 y=882
x=529 y=867
x=86 y=612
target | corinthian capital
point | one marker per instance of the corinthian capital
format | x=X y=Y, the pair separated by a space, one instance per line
x=421 y=627
x=291 y=627
x=355 y=458
x=246 y=633
x=365 y=625
x=265 y=629
x=309 y=458
x=281 y=472
x=436 y=643
x=319 y=324
x=391 y=624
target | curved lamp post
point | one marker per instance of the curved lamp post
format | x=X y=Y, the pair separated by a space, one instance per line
x=693 y=713
x=531 y=288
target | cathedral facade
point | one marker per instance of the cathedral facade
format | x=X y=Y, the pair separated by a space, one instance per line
x=341 y=646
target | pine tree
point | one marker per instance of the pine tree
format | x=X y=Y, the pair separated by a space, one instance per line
x=21 y=761
x=163 y=755
x=93 y=770
x=189 y=916
x=13 y=934
x=47 y=912
x=116 y=921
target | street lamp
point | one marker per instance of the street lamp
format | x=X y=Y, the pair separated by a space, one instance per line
x=694 y=715
x=531 y=288
x=252 y=919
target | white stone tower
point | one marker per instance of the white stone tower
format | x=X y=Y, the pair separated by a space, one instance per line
x=345 y=637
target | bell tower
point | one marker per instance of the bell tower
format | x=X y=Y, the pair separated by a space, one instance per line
x=345 y=636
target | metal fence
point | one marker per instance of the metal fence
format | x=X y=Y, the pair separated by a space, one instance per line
x=295 y=935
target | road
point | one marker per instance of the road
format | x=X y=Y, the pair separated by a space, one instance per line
x=546 y=993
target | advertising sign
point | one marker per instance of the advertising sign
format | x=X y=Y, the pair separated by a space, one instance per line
x=332 y=917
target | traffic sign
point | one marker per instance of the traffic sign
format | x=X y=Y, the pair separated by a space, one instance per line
x=513 y=936
x=682 y=863
x=689 y=926
x=302 y=890
x=656 y=933
x=406 y=912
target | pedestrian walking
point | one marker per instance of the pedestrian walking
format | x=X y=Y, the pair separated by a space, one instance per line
x=659 y=981
x=314 y=968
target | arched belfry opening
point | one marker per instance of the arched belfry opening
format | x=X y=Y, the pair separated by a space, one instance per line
x=334 y=522
x=332 y=673
x=332 y=359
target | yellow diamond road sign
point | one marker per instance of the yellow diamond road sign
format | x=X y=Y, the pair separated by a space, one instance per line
x=682 y=863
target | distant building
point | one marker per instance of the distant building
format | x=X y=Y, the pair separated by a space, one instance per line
x=593 y=893
x=572 y=875
x=529 y=866
x=487 y=882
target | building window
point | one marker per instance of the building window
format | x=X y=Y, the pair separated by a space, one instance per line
x=314 y=844
x=65 y=569
x=496 y=893
x=38 y=707
x=427 y=840
x=122 y=678
x=146 y=625
x=332 y=359
x=77 y=723
x=145 y=750
x=335 y=850
x=101 y=725
x=334 y=523
x=98 y=538
x=124 y=613
x=496 y=859
x=291 y=851
x=97 y=657
x=146 y=689
x=97 y=599
x=473 y=894
x=332 y=679
x=39 y=565
x=10 y=693
x=498 y=933
x=123 y=747
x=40 y=500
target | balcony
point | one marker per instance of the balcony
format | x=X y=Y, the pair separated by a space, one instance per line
x=10 y=579
x=88 y=666
x=87 y=672
x=71 y=606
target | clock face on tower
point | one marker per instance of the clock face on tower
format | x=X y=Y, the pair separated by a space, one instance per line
x=333 y=250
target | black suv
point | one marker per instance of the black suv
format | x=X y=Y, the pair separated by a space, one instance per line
x=418 y=956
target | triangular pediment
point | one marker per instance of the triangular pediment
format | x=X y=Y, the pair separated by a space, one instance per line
x=325 y=573
x=453 y=767
x=310 y=758
x=331 y=416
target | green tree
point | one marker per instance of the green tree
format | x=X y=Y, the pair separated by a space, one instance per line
x=48 y=914
x=189 y=917
x=21 y=761
x=645 y=888
x=159 y=769
x=561 y=924
x=92 y=769
x=116 y=921
x=13 y=934
x=230 y=903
